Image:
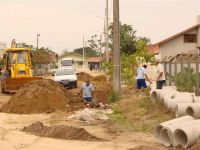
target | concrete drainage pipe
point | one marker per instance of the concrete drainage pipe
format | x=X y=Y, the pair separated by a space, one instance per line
x=187 y=136
x=193 y=110
x=172 y=103
x=166 y=134
x=170 y=122
x=181 y=109
x=154 y=95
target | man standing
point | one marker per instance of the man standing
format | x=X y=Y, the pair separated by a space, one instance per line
x=160 y=75
x=141 y=76
x=87 y=91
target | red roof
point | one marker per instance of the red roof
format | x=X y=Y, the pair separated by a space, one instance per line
x=153 y=49
x=94 y=59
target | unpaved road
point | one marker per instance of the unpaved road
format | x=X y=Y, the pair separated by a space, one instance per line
x=11 y=138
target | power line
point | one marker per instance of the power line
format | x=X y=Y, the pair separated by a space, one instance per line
x=49 y=19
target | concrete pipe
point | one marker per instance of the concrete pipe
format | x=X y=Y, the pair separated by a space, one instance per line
x=166 y=134
x=196 y=99
x=181 y=109
x=193 y=110
x=170 y=122
x=187 y=136
x=159 y=94
x=154 y=95
x=172 y=103
x=165 y=95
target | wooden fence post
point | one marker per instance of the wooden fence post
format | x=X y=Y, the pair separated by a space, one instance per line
x=197 y=80
x=165 y=70
x=170 y=73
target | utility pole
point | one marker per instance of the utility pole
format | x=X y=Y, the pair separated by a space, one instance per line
x=107 y=24
x=37 y=41
x=116 y=48
x=100 y=49
x=83 y=52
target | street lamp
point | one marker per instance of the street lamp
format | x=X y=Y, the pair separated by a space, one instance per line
x=37 y=40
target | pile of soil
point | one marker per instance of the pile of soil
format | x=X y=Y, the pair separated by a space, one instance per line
x=99 y=78
x=102 y=91
x=194 y=147
x=75 y=101
x=60 y=131
x=41 y=96
x=82 y=76
x=143 y=148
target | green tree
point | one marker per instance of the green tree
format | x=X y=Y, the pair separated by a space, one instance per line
x=128 y=39
x=40 y=56
x=88 y=52
x=95 y=44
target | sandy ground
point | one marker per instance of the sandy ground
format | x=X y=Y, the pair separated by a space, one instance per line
x=11 y=138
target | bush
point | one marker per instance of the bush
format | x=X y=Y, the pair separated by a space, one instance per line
x=114 y=97
x=185 y=81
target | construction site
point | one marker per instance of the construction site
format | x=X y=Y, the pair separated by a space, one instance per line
x=124 y=75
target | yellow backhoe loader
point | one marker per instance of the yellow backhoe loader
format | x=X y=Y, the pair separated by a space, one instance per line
x=16 y=69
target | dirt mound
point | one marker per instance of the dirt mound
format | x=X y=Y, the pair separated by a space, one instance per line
x=38 y=97
x=60 y=131
x=102 y=91
x=99 y=78
x=82 y=76
x=143 y=148
x=194 y=147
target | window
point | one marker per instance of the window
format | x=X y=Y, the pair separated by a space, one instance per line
x=190 y=38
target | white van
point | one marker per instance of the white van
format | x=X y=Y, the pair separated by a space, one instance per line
x=66 y=76
x=67 y=63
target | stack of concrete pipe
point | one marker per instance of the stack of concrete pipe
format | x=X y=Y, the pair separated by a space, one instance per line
x=184 y=131
x=183 y=103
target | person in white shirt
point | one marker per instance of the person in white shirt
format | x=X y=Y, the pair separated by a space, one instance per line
x=160 y=74
x=141 y=76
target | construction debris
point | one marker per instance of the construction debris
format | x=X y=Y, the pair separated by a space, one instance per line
x=90 y=115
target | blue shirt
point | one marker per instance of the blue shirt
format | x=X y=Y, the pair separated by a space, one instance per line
x=141 y=72
x=87 y=90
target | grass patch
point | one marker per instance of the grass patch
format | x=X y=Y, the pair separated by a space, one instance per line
x=114 y=97
x=140 y=114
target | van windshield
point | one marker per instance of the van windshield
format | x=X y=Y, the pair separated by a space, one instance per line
x=62 y=72
x=67 y=62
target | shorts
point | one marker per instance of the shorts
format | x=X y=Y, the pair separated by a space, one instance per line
x=141 y=83
x=87 y=99
x=159 y=84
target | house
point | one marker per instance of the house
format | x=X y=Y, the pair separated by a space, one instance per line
x=79 y=61
x=94 y=62
x=187 y=41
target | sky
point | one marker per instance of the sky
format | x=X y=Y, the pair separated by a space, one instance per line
x=62 y=23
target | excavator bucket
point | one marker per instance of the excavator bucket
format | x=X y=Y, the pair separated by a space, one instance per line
x=10 y=85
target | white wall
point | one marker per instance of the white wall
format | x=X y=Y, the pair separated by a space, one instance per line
x=177 y=45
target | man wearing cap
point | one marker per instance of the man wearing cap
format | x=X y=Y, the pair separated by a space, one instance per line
x=160 y=74
x=87 y=91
